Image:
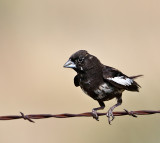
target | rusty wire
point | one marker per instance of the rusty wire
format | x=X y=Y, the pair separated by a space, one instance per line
x=68 y=115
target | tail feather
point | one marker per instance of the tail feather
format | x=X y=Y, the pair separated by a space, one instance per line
x=135 y=86
x=134 y=77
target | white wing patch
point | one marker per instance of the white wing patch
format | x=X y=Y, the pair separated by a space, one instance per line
x=122 y=80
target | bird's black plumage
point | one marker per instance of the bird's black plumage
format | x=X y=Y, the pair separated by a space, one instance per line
x=100 y=82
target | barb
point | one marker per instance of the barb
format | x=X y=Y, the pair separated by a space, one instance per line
x=67 y=115
x=25 y=117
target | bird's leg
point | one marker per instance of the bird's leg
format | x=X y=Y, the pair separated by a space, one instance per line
x=110 y=111
x=94 y=110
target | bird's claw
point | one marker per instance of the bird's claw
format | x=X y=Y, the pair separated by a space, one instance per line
x=110 y=116
x=95 y=115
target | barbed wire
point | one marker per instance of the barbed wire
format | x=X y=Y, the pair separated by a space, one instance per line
x=68 y=115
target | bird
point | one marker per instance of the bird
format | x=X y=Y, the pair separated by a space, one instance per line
x=100 y=82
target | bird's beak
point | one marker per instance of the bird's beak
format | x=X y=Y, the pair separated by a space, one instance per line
x=69 y=64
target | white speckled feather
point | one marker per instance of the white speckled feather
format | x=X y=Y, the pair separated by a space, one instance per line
x=122 y=80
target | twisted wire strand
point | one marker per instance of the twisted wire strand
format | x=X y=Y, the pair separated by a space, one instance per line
x=68 y=115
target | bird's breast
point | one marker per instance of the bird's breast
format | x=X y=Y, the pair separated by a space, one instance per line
x=103 y=91
x=85 y=85
x=98 y=90
x=103 y=88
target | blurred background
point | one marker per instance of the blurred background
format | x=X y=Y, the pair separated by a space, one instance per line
x=38 y=36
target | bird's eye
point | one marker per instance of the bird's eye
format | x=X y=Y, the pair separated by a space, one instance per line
x=80 y=60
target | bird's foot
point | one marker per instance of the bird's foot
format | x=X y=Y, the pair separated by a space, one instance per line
x=130 y=113
x=95 y=115
x=110 y=116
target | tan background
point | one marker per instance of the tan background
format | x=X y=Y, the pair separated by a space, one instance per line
x=36 y=39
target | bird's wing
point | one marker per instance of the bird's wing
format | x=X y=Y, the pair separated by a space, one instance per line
x=76 y=80
x=118 y=79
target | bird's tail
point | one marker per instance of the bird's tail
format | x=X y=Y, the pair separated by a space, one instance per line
x=134 y=77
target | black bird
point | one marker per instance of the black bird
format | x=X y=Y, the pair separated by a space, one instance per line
x=100 y=82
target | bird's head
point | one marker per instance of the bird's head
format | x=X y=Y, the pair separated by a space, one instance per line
x=81 y=61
